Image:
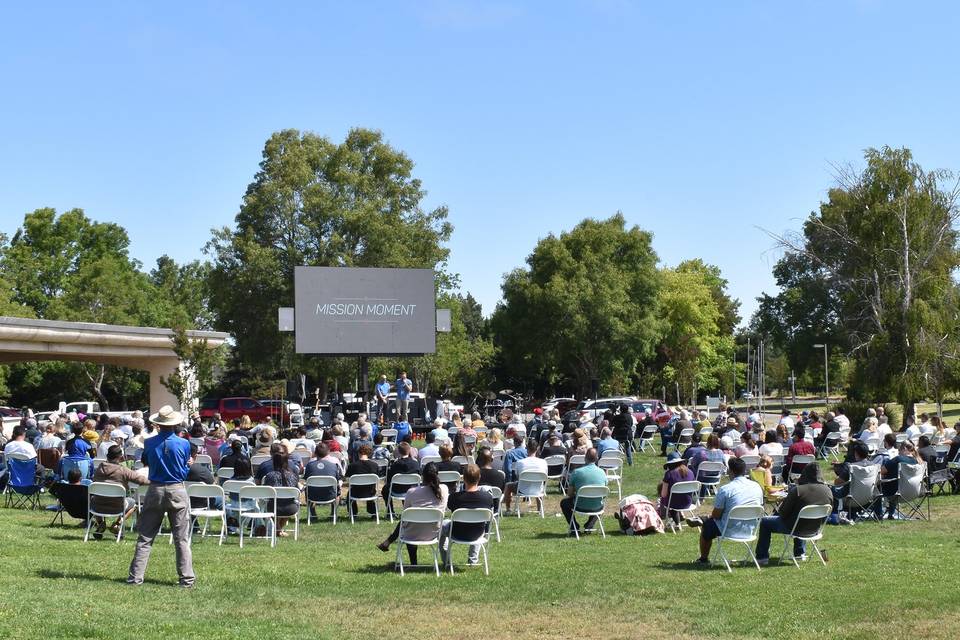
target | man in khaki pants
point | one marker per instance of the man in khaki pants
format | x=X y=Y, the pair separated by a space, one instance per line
x=167 y=457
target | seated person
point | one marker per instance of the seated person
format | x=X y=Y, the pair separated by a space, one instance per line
x=363 y=465
x=529 y=463
x=321 y=465
x=739 y=491
x=489 y=477
x=763 y=476
x=588 y=474
x=606 y=442
x=112 y=470
x=430 y=493
x=676 y=471
x=470 y=498
x=809 y=490
x=280 y=475
x=430 y=449
x=800 y=447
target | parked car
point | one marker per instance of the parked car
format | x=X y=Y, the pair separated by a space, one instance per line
x=231 y=408
x=594 y=408
x=560 y=404
x=655 y=409
x=285 y=412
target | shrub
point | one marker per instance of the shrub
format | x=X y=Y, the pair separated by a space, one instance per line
x=856 y=411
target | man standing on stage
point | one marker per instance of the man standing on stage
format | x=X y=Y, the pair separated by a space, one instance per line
x=382 y=390
x=404 y=387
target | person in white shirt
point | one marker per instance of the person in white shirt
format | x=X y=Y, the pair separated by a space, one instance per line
x=19 y=444
x=303 y=441
x=431 y=448
x=529 y=463
x=770 y=446
x=913 y=430
x=786 y=420
x=439 y=432
x=883 y=428
x=926 y=428
x=842 y=420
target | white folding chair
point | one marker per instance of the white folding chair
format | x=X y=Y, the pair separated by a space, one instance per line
x=613 y=467
x=105 y=490
x=461 y=460
x=497 y=496
x=686 y=487
x=291 y=493
x=588 y=492
x=257 y=460
x=322 y=482
x=811 y=513
x=799 y=462
x=251 y=508
x=389 y=437
x=555 y=467
x=425 y=460
x=709 y=475
x=210 y=493
x=224 y=473
x=363 y=480
x=682 y=440
x=470 y=516
x=742 y=525
x=830 y=447
x=646 y=437
x=751 y=461
x=531 y=485
x=575 y=462
x=400 y=483
x=422 y=516
x=205 y=460
x=450 y=478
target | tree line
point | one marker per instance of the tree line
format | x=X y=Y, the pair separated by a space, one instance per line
x=590 y=308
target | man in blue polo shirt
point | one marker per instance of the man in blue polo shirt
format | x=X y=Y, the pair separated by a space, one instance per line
x=167 y=458
x=404 y=387
x=381 y=391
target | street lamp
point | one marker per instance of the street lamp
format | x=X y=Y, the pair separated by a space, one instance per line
x=826 y=372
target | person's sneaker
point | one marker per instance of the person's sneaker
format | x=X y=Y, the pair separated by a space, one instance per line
x=801 y=558
x=472 y=563
x=98 y=532
x=844 y=520
x=763 y=561
x=695 y=521
x=702 y=563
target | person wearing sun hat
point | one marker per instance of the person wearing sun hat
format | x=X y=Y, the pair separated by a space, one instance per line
x=168 y=459
x=676 y=471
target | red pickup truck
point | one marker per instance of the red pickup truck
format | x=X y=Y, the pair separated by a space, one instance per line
x=230 y=408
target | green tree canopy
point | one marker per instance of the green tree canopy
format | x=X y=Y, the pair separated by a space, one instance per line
x=583 y=308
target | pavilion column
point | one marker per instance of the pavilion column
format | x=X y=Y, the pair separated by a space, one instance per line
x=159 y=395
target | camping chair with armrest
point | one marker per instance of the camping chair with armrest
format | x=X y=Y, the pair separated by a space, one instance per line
x=814 y=517
x=912 y=491
x=863 y=490
x=23 y=489
x=743 y=523
x=72 y=500
x=470 y=516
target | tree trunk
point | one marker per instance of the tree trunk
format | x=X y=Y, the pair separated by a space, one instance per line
x=96 y=384
x=909 y=408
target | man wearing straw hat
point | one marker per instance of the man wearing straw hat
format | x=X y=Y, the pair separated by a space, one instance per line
x=167 y=458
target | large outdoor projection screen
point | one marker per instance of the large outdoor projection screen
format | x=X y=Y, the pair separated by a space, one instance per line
x=350 y=311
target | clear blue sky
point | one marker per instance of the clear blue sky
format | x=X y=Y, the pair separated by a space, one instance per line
x=701 y=121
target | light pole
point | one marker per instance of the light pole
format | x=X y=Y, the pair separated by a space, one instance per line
x=826 y=372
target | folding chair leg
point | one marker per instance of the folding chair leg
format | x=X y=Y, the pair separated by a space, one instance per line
x=603 y=534
x=436 y=560
x=752 y=556
x=399 y=561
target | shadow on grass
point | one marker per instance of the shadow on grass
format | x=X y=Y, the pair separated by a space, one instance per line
x=90 y=577
x=387 y=569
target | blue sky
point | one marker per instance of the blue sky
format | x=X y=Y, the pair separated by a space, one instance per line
x=702 y=121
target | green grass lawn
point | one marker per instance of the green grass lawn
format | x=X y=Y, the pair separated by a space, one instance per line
x=898 y=577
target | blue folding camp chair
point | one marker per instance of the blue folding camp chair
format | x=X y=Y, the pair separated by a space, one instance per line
x=22 y=489
x=85 y=465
